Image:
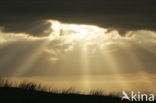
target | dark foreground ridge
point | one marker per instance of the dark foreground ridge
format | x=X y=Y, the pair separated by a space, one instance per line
x=20 y=95
x=32 y=93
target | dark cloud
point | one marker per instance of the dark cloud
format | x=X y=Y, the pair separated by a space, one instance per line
x=36 y=28
x=123 y=15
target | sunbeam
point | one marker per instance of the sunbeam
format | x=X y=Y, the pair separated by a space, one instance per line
x=86 y=56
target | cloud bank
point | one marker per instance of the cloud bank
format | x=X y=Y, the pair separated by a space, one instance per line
x=122 y=15
x=104 y=53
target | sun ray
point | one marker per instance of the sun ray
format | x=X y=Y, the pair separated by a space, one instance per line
x=114 y=68
x=85 y=67
x=131 y=53
x=33 y=55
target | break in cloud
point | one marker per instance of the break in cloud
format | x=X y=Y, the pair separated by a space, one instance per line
x=23 y=16
x=107 y=53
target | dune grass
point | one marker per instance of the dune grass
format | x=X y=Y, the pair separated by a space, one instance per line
x=29 y=92
x=5 y=83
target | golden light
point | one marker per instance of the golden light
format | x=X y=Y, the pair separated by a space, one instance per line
x=88 y=35
x=95 y=55
x=75 y=31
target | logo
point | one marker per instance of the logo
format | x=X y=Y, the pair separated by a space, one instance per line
x=137 y=96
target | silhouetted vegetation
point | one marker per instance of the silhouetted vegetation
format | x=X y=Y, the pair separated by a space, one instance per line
x=28 y=92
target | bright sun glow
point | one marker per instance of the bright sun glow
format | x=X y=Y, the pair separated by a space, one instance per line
x=75 y=31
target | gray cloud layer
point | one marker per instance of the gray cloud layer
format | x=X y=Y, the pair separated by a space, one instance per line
x=123 y=15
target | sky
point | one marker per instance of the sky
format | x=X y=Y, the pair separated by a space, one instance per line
x=86 y=44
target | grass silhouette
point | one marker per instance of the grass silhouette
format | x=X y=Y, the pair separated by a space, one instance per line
x=28 y=92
